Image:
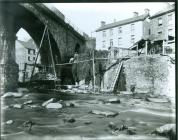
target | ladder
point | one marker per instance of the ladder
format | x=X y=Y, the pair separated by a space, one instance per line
x=116 y=75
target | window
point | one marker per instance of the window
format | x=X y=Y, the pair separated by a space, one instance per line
x=170 y=34
x=170 y=21
x=29 y=50
x=111 y=32
x=104 y=33
x=104 y=45
x=160 y=32
x=33 y=58
x=119 y=30
x=132 y=39
x=169 y=17
x=160 y=22
x=111 y=42
x=149 y=32
x=29 y=58
x=34 y=52
x=119 y=41
x=132 y=27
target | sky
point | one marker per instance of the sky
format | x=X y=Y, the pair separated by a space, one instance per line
x=87 y=16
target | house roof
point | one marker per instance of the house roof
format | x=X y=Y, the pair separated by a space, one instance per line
x=29 y=44
x=123 y=22
x=169 y=9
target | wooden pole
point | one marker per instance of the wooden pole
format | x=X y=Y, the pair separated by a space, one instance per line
x=137 y=48
x=146 y=47
x=163 y=46
x=24 y=72
x=38 y=52
x=94 y=71
x=54 y=69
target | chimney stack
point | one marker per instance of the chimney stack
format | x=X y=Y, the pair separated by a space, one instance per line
x=103 y=23
x=147 y=11
x=135 y=14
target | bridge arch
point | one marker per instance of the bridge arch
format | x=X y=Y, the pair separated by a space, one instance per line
x=13 y=17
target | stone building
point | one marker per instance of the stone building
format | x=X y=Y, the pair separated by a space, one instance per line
x=162 y=30
x=25 y=54
x=124 y=33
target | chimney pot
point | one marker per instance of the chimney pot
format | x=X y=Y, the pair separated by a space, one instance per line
x=103 y=23
x=146 y=11
x=135 y=14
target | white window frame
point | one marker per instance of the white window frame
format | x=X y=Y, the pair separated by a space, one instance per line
x=111 y=42
x=160 y=21
x=104 y=44
x=160 y=32
x=119 y=29
x=132 y=39
x=104 y=33
x=119 y=41
x=111 y=32
x=132 y=27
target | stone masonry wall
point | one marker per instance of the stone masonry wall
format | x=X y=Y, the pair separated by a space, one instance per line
x=150 y=74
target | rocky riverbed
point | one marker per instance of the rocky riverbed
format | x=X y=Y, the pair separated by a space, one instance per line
x=78 y=116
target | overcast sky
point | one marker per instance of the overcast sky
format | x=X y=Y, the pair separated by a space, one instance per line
x=87 y=16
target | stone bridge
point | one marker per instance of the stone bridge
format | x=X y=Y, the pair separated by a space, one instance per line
x=33 y=17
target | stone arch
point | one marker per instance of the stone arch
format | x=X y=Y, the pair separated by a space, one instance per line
x=10 y=23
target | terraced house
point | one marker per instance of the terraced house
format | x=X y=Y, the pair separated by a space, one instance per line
x=162 y=27
x=123 y=34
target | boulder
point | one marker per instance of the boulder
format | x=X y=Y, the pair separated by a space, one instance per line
x=70 y=120
x=131 y=132
x=88 y=122
x=114 y=101
x=126 y=92
x=71 y=104
x=157 y=100
x=10 y=122
x=48 y=101
x=19 y=106
x=28 y=102
x=34 y=106
x=123 y=127
x=23 y=90
x=104 y=113
x=112 y=126
x=54 y=106
x=5 y=107
x=168 y=130
x=12 y=94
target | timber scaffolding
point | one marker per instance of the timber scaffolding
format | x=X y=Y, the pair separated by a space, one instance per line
x=55 y=82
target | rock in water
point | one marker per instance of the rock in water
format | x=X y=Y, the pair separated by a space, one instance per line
x=12 y=94
x=114 y=101
x=19 y=106
x=157 y=100
x=28 y=102
x=104 y=113
x=88 y=122
x=48 y=101
x=70 y=120
x=131 y=132
x=112 y=126
x=54 y=106
x=168 y=130
x=10 y=122
x=123 y=127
